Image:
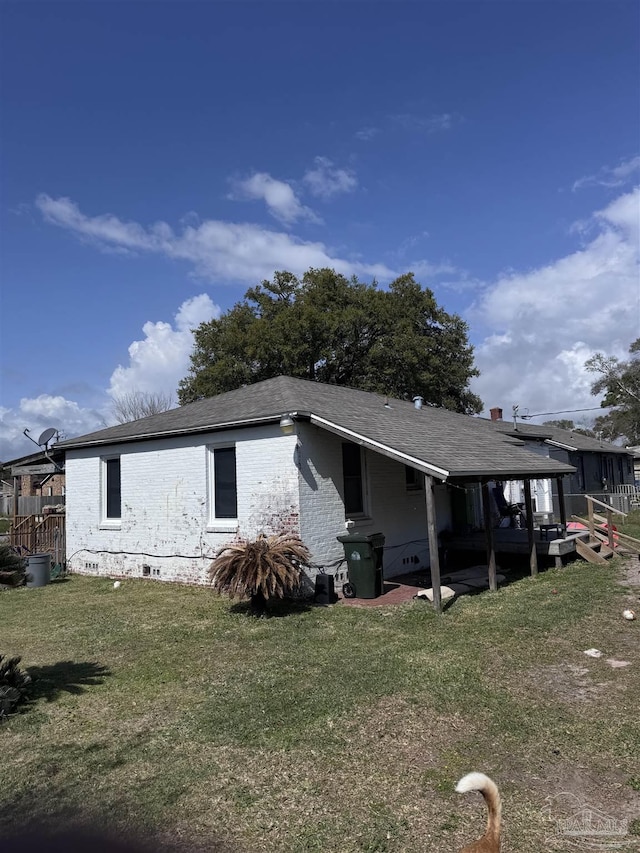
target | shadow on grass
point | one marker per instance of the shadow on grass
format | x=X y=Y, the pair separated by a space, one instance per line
x=66 y=829
x=278 y=608
x=48 y=682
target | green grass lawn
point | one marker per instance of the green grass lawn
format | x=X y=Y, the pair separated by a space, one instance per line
x=630 y=525
x=165 y=711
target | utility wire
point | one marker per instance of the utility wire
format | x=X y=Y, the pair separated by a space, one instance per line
x=563 y=412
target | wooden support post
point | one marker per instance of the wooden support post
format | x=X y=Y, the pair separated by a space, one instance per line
x=16 y=495
x=533 y=554
x=561 y=504
x=488 y=531
x=590 y=520
x=610 y=529
x=432 y=531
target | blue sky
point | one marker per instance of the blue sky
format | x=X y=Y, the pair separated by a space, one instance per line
x=158 y=158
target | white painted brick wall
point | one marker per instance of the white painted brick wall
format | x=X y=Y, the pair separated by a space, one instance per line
x=395 y=511
x=165 y=503
x=321 y=504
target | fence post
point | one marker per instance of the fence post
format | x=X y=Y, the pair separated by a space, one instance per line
x=592 y=525
x=610 y=529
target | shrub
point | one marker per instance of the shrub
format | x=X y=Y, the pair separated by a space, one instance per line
x=12 y=566
x=267 y=567
x=13 y=685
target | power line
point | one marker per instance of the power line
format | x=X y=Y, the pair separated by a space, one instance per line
x=563 y=412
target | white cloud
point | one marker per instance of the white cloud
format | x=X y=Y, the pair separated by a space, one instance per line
x=156 y=365
x=425 y=269
x=325 y=180
x=37 y=414
x=218 y=251
x=279 y=197
x=159 y=361
x=542 y=325
x=435 y=123
x=615 y=176
x=367 y=133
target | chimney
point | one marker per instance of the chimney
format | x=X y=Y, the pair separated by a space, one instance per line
x=496 y=413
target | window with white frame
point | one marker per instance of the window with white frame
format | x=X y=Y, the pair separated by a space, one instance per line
x=112 y=489
x=223 y=484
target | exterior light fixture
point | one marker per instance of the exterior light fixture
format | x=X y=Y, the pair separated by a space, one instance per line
x=286 y=424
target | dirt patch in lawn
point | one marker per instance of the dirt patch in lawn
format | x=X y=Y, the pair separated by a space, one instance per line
x=567 y=682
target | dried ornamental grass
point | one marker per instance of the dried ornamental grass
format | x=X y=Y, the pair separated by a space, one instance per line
x=264 y=568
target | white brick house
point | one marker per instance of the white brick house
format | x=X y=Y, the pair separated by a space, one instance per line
x=160 y=496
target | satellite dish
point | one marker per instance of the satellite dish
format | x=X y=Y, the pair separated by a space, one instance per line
x=46 y=436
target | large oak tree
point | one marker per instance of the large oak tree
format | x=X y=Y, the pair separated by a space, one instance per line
x=619 y=381
x=325 y=327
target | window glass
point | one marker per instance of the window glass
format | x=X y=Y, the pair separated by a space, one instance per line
x=225 y=486
x=113 y=496
x=352 y=474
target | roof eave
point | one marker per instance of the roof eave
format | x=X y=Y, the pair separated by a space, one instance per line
x=170 y=433
x=512 y=474
x=560 y=445
x=379 y=447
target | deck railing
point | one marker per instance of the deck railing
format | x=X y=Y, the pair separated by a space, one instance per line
x=39 y=534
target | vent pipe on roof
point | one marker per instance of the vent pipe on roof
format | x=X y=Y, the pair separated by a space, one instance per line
x=418 y=401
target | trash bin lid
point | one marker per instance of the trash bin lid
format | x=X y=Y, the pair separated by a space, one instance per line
x=355 y=538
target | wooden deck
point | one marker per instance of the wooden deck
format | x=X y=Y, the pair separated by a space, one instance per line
x=39 y=534
x=509 y=540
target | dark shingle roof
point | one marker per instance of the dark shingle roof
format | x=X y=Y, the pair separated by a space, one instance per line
x=454 y=444
x=567 y=437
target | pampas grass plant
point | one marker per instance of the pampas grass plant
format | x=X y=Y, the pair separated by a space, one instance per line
x=264 y=568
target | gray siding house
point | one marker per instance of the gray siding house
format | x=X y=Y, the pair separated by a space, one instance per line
x=600 y=467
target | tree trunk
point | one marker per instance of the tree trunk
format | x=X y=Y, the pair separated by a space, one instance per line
x=258 y=603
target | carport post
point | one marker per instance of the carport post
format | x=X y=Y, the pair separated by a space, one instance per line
x=528 y=503
x=488 y=531
x=432 y=531
x=563 y=509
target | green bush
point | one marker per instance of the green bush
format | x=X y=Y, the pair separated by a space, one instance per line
x=13 y=685
x=12 y=566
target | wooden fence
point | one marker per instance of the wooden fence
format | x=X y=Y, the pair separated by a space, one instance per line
x=29 y=504
x=39 y=534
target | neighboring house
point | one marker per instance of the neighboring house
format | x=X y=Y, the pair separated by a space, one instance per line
x=600 y=467
x=38 y=480
x=39 y=485
x=161 y=495
x=635 y=451
x=6 y=497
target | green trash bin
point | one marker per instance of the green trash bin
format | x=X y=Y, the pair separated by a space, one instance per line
x=364 y=564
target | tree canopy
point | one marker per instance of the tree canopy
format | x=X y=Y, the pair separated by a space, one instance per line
x=565 y=423
x=620 y=383
x=325 y=327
